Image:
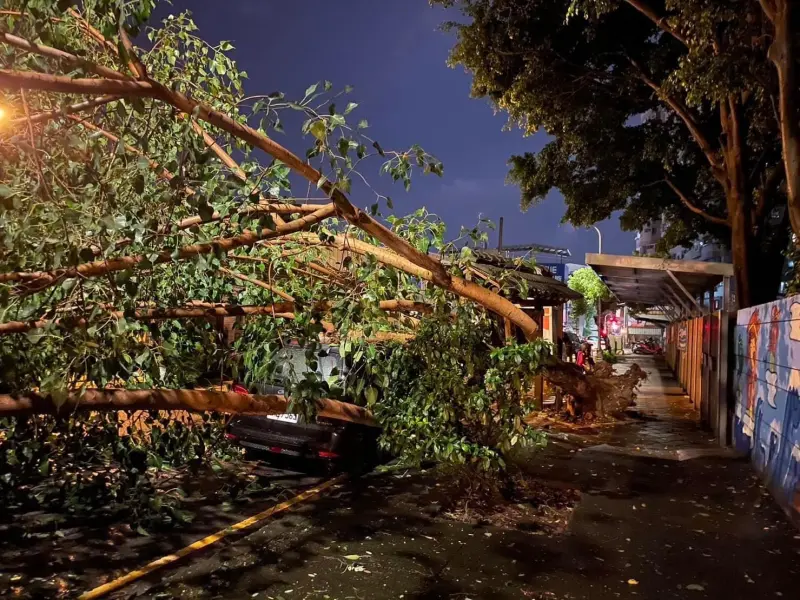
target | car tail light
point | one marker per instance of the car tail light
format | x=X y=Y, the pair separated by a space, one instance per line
x=326 y=454
x=239 y=389
x=230 y=436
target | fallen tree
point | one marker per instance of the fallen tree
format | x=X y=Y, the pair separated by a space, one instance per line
x=601 y=392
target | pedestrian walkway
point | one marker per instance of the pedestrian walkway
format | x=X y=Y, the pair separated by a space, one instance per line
x=664 y=423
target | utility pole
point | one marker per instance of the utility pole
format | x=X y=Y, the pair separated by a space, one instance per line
x=500 y=235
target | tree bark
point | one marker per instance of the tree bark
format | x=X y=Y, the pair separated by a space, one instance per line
x=163 y=399
x=739 y=201
x=782 y=53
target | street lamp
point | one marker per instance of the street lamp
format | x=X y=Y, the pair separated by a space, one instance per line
x=599 y=302
x=599 y=239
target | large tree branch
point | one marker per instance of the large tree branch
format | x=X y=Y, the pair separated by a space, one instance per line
x=692 y=207
x=661 y=22
x=434 y=268
x=357 y=217
x=685 y=115
x=204 y=310
x=466 y=289
x=164 y=399
x=194 y=311
x=60 y=55
x=43 y=279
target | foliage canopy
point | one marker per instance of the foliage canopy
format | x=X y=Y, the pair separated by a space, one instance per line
x=657 y=109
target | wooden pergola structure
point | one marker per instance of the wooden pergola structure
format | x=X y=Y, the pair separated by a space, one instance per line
x=681 y=288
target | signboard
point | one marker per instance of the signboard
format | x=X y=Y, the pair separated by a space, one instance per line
x=683 y=337
x=557 y=269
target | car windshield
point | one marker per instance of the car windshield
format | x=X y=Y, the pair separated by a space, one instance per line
x=293 y=365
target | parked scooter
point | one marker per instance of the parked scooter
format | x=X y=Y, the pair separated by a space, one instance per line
x=648 y=347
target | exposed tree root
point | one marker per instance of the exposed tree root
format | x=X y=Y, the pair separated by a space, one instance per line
x=601 y=392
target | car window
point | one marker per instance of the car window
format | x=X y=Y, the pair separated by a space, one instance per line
x=292 y=363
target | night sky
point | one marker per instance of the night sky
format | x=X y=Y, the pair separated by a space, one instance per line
x=394 y=55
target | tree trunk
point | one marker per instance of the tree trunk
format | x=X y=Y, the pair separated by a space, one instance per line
x=782 y=53
x=741 y=253
x=738 y=199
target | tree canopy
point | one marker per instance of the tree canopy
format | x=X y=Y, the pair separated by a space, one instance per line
x=591 y=287
x=657 y=109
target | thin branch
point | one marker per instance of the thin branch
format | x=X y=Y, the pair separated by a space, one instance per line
x=683 y=112
x=44 y=279
x=226 y=158
x=311 y=264
x=698 y=211
x=769 y=8
x=66 y=110
x=134 y=64
x=661 y=22
x=258 y=283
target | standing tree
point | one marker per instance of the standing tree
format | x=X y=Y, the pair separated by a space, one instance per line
x=586 y=282
x=656 y=109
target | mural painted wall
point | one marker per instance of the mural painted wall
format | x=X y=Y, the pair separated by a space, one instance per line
x=766 y=384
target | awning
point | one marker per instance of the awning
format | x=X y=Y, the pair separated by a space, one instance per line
x=679 y=286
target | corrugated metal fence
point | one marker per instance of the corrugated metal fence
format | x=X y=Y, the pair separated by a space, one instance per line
x=697 y=352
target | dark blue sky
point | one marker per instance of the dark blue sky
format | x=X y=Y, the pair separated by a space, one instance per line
x=394 y=55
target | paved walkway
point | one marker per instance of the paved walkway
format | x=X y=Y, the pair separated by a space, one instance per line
x=665 y=423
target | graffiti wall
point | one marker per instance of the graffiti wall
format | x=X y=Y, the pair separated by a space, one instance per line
x=766 y=383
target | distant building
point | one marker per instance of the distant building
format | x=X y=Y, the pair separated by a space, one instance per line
x=650 y=235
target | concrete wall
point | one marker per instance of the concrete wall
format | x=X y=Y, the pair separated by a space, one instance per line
x=766 y=380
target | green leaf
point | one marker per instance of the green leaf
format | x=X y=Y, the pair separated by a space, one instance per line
x=311 y=89
x=363 y=124
x=371 y=395
x=351 y=106
x=318 y=130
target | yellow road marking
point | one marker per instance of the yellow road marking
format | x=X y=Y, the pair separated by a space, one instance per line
x=207 y=541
